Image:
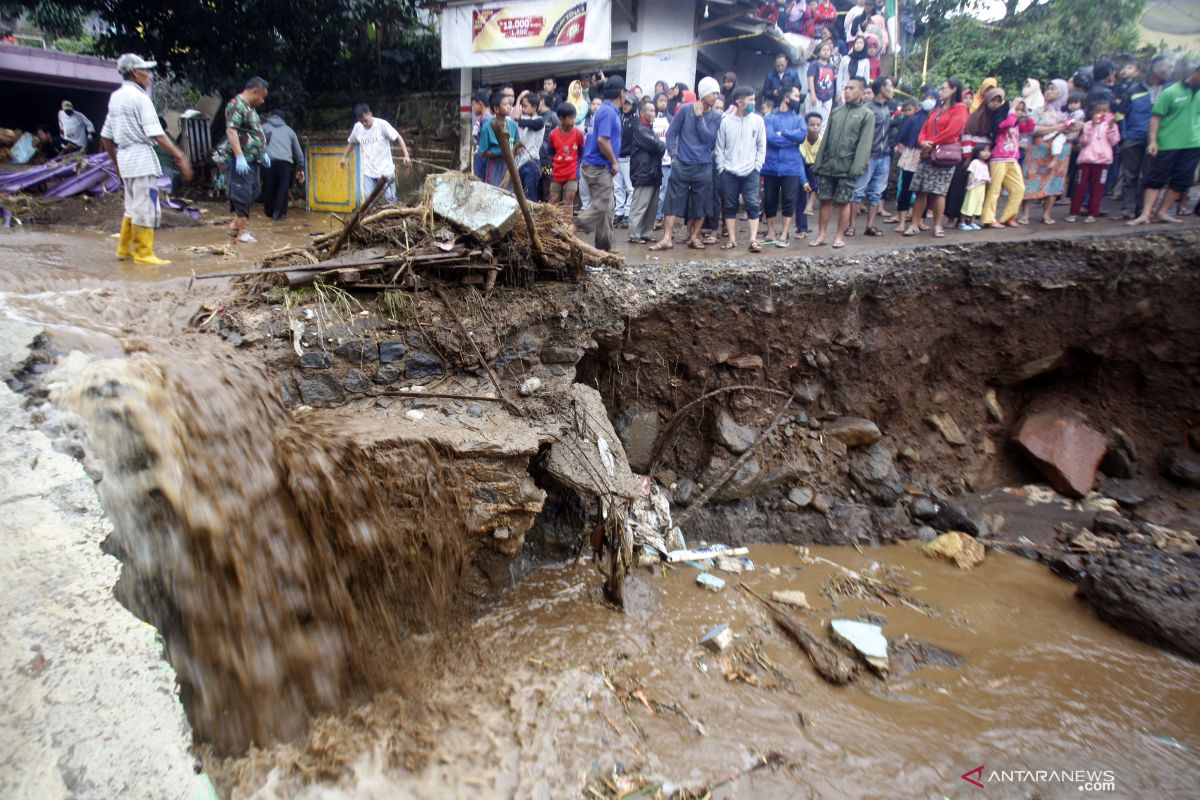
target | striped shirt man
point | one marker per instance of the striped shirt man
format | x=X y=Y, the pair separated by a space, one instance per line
x=132 y=124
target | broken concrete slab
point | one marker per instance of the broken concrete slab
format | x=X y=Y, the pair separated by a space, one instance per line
x=1065 y=449
x=854 y=431
x=589 y=456
x=718 y=639
x=710 y=582
x=481 y=209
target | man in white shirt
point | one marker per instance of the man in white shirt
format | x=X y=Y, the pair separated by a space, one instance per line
x=374 y=139
x=741 y=150
x=74 y=126
x=128 y=136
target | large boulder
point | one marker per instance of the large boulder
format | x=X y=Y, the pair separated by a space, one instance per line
x=1065 y=449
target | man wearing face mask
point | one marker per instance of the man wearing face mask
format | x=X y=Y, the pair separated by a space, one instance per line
x=128 y=136
x=75 y=128
x=741 y=149
x=691 y=137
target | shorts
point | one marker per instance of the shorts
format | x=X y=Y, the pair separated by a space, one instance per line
x=141 y=201
x=838 y=189
x=243 y=189
x=870 y=184
x=745 y=186
x=690 y=186
x=565 y=186
x=1173 y=168
x=932 y=180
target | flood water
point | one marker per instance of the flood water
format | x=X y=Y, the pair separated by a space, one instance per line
x=552 y=692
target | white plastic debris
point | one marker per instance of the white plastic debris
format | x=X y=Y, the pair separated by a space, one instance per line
x=606 y=456
x=865 y=639
x=710 y=581
x=705 y=553
x=414 y=415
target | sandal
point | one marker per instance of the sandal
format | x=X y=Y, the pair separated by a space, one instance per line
x=889 y=220
x=938 y=232
x=911 y=232
x=729 y=245
x=1012 y=223
x=784 y=242
x=872 y=232
x=838 y=244
x=696 y=244
x=1049 y=221
x=657 y=246
x=711 y=239
x=817 y=243
x=755 y=247
x=848 y=233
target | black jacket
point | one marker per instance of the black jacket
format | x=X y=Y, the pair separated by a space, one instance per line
x=645 y=163
x=628 y=123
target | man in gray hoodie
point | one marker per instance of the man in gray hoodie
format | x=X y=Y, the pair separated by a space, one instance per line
x=287 y=159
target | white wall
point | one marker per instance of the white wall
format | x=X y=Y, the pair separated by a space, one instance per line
x=661 y=24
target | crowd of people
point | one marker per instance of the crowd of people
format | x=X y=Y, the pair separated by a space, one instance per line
x=831 y=138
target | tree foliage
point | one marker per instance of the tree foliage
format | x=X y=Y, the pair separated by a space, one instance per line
x=1050 y=39
x=55 y=20
x=302 y=47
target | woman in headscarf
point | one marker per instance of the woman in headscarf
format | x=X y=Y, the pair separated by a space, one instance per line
x=728 y=84
x=856 y=63
x=1009 y=124
x=909 y=150
x=1032 y=93
x=575 y=97
x=1049 y=156
x=978 y=135
x=675 y=96
x=981 y=96
x=660 y=87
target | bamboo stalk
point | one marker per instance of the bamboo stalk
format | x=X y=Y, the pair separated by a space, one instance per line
x=501 y=129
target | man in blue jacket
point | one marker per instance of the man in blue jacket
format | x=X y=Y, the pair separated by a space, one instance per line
x=783 y=171
x=691 y=140
x=778 y=80
x=1135 y=104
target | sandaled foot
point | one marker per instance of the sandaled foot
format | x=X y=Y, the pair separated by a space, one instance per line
x=696 y=244
x=818 y=242
x=911 y=232
x=1049 y=221
x=755 y=247
x=1167 y=219
x=711 y=239
x=848 y=233
x=993 y=225
x=938 y=232
x=729 y=245
x=872 y=232
x=657 y=246
x=838 y=243
x=783 y=242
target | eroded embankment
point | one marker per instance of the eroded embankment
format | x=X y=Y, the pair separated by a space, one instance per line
x=417 y=459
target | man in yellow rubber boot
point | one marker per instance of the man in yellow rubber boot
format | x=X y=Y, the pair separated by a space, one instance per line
x=128 y=137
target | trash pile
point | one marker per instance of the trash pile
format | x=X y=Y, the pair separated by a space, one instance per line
x=464 y=231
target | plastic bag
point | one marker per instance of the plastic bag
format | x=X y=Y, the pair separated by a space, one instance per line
x=23 y=149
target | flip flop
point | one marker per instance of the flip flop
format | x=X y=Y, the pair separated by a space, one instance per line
x=755 y=247
x=939 y=233
x=816 y=243
x=836 y=245
x=657 y=246
x=912 y=232
x=729 y=245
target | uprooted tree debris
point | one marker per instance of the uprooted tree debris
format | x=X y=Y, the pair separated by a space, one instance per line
x=464 y=231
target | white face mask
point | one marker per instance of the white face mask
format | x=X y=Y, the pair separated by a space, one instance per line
x=927 y=104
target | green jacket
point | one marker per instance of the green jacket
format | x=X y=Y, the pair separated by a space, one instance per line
x=846 y=148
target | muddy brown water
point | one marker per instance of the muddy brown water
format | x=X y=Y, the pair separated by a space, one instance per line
x=528 y=701
x=1043 y=686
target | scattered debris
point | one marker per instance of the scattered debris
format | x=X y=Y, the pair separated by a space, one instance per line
x=964 y=551
x=706 y=553
x=529 y=386
x=729 y=564
x=865 y=639
x=906 y=655
x=791 y=597
x=718 y=639
x=830 y=663
x=710 y=582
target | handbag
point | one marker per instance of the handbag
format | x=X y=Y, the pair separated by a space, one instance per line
x=945 y=155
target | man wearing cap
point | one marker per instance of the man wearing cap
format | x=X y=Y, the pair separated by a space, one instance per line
x=247 y=153
x=691 y=139
x=600 y=164
x=74 y=126
x=128 y=136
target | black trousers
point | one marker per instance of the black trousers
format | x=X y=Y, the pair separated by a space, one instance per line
x=277 y=182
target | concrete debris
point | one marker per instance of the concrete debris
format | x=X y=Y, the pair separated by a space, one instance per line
x=1066 y=450
x=479 y=208
x=730 y=564
x=854 y=431
x=718 y=639
x=529 y=386
x=576 y=459
x=962 y=550
x=791 y=597
x=710 y=582
x=864 y=639
x=948 y=428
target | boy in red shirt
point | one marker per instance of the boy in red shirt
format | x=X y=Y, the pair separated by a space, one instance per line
x=566 y=143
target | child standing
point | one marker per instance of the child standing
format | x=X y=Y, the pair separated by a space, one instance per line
x=495 y=170
x=1096 y=143
x=978 y=177
x=566 y=143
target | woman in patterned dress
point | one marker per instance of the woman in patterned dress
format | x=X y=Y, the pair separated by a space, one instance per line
x=1048 y=159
